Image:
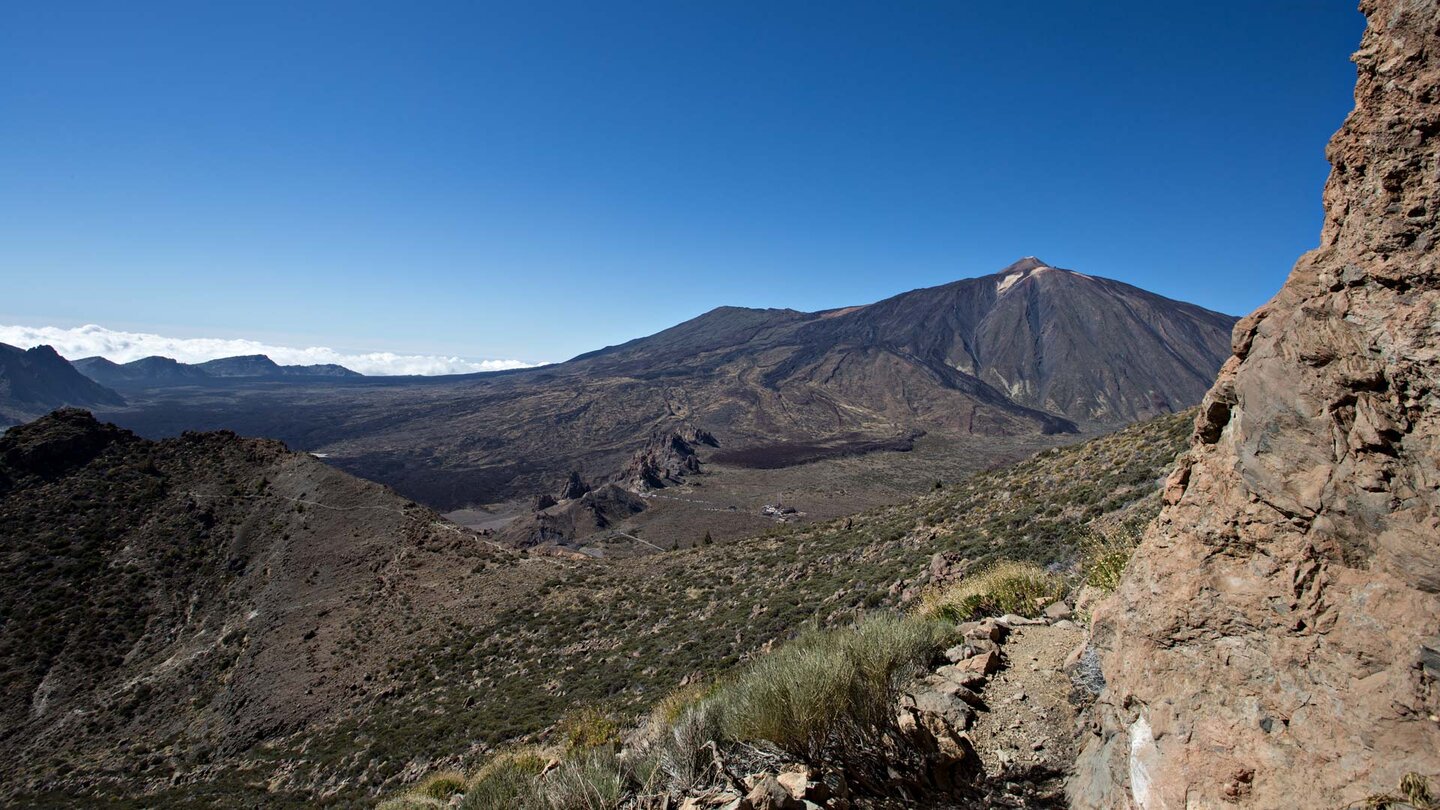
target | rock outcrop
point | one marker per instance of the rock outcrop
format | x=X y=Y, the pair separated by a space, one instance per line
x=1275 y=635
x=666 y=459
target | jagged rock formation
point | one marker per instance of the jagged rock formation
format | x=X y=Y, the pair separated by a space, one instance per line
x=1275 y=637
x=575 y=487
x=666 y=459
x=38 y=380
x=564 y=522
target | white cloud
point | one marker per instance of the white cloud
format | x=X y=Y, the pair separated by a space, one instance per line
x=91 y=340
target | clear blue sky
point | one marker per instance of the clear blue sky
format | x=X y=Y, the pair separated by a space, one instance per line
x=535 y=179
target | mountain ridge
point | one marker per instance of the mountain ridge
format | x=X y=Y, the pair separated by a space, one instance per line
x=1058 y=354
x=37 y=380
x=158 y=371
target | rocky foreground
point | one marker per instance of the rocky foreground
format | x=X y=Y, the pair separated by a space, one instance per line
x=989 y=723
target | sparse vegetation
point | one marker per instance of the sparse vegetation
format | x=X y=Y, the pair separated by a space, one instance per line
x=827 y=690
x=1415 y=794
x=1008 y=586
x=1107 y=550
x=545 y=635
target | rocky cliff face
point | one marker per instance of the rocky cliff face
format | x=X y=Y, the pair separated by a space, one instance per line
x=1276 y=634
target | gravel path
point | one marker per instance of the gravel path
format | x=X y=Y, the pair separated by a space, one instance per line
x=1028 y=732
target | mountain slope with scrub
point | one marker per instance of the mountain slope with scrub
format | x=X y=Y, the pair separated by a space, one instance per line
x=255 y=645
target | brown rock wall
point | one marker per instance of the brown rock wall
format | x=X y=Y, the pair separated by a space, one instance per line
x=1273 y=642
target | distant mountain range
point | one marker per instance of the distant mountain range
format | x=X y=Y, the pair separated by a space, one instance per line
x=163 y=371
x=1030 y=351
x=36 y=381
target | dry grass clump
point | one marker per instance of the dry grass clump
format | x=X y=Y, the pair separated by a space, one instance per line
x=827 y=690
x=509 y=781
x=672 y=749
x=1415 y=794
x=411 y=802
x=442 y=785
x=1106 y=550
x=528 y=779
x=590 y=780
x=588 y=728
x=1004 y=587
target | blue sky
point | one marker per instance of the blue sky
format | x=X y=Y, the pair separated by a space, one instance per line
x=535 y=179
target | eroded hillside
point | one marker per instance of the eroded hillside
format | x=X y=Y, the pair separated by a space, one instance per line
x=166 y=606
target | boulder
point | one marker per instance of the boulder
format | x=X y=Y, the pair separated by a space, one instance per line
x=1056 y=611
x=987 y=629
x=985 y=663
x=796 y=783
x=766 y=793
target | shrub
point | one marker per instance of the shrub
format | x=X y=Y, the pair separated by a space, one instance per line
x=827 y=690
x=508 y=782
x=589 y=728
x=1106 y=552
x=442 y=785
x=589 y=780
x=1006 y=586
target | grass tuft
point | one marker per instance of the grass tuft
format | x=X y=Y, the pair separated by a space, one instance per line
x=1106 y=552
x=827 y=690
x=1415 y=794
x=1004 y=587
x=507 y=782
x=442 y=785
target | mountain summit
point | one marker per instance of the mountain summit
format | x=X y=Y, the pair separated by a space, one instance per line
x=1076 y=348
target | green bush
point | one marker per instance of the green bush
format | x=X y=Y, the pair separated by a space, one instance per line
x=1004 y=587
x=589 y=728
x=827 y=689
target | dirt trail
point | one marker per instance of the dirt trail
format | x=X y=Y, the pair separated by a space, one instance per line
x=1028 y=732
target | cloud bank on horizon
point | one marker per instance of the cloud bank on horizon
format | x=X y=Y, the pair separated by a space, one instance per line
x=90 y=340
